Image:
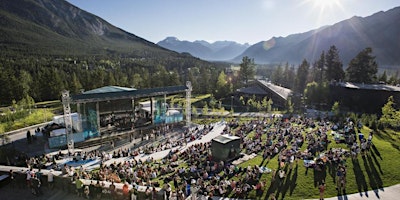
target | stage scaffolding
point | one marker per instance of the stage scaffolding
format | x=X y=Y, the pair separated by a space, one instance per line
x=119 y=107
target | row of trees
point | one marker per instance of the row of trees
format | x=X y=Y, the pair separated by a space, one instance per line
x=44 y=78
x=312 y=80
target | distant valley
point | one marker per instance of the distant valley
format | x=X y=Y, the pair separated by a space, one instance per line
x=216 y=51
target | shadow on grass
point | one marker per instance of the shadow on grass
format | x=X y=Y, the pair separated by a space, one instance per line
x=294 y=180
x=376 y=161
x=375 y=180
x=280 y=187
x=360 y=178
x=332 y=171
x=384 y=135
x=376 y=151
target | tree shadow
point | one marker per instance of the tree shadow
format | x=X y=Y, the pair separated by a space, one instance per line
x=360 y=178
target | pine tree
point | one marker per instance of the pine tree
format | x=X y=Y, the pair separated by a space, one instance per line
x=363 y=68
x=334 y=66
x=302 y=75
x=247 y=70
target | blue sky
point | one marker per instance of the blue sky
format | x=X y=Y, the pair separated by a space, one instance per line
x=242 y=21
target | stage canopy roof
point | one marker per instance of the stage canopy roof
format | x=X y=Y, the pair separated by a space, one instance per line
x=107 y=89
x=223 y=139
x=115 y=93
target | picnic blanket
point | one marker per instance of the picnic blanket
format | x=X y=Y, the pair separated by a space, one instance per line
x=309 y=163
x=265 y=170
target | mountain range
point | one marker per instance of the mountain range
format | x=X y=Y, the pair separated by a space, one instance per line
x=380 y=31
x=49 y=27
x=216 y=51
x=56 y=27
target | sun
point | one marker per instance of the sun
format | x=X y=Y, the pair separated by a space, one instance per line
x=323 y=10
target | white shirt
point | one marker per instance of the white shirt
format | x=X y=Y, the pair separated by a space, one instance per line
x=50 y=177
x=28 y=175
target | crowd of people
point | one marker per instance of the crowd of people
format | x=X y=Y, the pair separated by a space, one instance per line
x=194 y=172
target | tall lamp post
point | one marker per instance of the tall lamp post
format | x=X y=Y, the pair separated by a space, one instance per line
x=232 y=104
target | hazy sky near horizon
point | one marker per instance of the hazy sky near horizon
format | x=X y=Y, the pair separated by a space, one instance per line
x=242 y=21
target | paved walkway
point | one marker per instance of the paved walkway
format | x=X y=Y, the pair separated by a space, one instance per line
x=392 y=192
x=387 y=193
x=217 y=130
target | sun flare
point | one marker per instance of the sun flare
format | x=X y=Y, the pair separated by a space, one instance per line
x=324 y=9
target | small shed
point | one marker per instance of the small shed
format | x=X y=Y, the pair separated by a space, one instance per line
x=225 y=147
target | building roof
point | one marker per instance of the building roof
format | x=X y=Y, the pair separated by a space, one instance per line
x=106 y=89
x=281 y=91
x=260 y=86
x=223 y=139
x=252 y=90
x=115 y=93
x=384 y=87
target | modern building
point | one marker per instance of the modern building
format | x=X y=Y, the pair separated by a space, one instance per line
x=359 y=97
x=262 y=88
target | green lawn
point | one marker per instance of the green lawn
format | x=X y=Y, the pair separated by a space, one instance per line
x=379 y=168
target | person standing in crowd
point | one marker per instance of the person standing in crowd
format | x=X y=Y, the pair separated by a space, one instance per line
x=98 y=190
x=39 y=175
x=322 y=188
x=29 y=136
x=36 y=185
x=92 y=190
x=28 y=178
x=125 y=190
x=79 y=187
x=113 y=190
x=148 y=193
x=86 y=191
x=11 y=174
x=50 y=179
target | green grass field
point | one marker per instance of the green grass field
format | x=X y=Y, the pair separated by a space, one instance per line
x=379 y=168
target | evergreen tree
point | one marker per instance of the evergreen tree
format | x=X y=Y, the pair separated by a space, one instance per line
x=319 y=69
x=383 y=77
x=363 y=68
x=75 y=85
x=334 y=66
x=390 y=116
x=336 y=108
x=302 y=75
x=247 y=69
x=278 y=76
x=289 y=77
x=25 y=82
